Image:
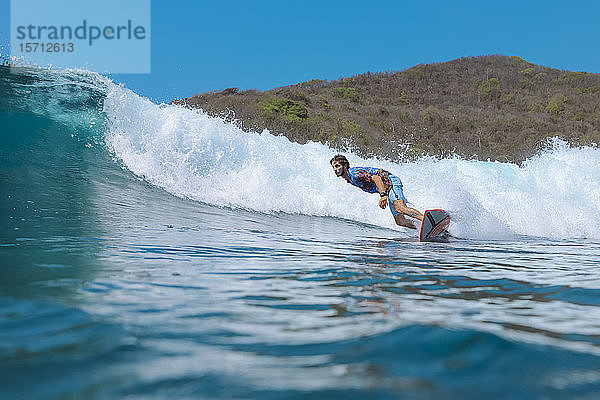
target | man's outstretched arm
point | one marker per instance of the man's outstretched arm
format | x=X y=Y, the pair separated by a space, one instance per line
x=381 y=187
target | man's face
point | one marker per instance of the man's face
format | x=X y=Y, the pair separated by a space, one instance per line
x=338 y=168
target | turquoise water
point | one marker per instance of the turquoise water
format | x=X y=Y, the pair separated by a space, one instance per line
x=152 y=252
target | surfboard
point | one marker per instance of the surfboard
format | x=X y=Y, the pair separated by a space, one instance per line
x=434 y=226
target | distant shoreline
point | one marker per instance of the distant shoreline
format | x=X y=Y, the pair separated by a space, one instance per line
x=491 y=107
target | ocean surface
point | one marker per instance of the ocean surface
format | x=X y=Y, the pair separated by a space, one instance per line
x=152 y=252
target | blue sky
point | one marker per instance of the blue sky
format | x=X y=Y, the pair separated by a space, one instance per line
x=199 y=46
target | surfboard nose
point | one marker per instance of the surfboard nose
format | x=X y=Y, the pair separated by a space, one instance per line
x=434 y=225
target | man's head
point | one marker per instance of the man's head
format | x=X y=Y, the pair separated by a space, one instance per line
x=340 y=164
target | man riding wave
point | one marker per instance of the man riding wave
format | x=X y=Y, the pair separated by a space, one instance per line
x=374 y=180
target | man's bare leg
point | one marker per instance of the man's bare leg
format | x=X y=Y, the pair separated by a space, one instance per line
x=402 y=221
x=403 y=209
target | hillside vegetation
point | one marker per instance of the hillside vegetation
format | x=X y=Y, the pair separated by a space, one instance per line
x=495 y=107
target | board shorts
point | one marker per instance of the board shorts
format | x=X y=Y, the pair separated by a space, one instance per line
x=395 y=193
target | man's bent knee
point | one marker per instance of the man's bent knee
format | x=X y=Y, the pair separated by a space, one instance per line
x=401 y=207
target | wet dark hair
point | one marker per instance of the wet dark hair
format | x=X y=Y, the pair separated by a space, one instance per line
x=341 y=159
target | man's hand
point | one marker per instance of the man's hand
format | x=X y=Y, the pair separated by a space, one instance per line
x=383 y=202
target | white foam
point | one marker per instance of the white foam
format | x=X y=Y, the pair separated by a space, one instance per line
x=192 y=155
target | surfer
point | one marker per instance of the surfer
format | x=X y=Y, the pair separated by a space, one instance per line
x=374 y=180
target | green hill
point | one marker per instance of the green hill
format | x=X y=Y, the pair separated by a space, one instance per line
x=495 y=107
